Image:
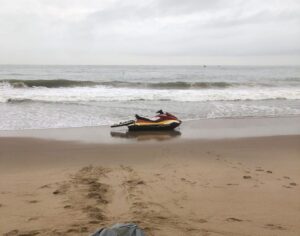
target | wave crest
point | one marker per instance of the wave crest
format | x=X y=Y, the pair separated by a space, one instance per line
x=62 y=83
x=58 y=83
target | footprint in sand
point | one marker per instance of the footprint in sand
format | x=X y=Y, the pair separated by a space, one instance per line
x=81 y=229
x=126 y=168
x=274 y=227
x=233 y=219
x=4 y=192
x=63 y=188
x=16 y=232
x=84 y=187
x=160 y=177
x=286 y=177
x=94 y=222
x=293 y=184
x=134 y=182
x=201 y=221
x=247 y=177
x=33 y=201
x=285 y=186
x=188 y=181
x=12 y=233
x=45 y=186
x=94 y=212
x=231 y=184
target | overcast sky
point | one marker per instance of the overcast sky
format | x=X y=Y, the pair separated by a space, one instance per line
x=150 y=32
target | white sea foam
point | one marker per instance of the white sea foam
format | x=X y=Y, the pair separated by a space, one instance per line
x=102 y=94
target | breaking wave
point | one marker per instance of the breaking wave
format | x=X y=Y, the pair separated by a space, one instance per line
x=62 y=83
x=59 y=83
x=102 y=94
x=79 y=101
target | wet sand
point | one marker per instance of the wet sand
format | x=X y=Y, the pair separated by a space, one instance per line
x=196 y=129
x=167 y=183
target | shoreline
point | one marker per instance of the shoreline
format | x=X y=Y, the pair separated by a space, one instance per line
x=184 y=120
x=193 y=129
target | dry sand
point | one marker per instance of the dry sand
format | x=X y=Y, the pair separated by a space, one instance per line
x=246 y=186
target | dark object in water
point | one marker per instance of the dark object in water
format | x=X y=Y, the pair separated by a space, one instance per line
x=162 y=121
x=120 y=230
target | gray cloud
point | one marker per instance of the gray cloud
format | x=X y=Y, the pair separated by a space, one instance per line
x=147 y=32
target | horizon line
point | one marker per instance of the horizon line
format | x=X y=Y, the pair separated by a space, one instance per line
x=202 y=65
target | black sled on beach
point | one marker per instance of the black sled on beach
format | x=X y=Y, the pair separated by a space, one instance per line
x=162 y=121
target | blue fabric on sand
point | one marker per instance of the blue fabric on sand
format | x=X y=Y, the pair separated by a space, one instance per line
x=120 y=230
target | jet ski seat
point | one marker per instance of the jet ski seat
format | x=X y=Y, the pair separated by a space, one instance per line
x=142 y=118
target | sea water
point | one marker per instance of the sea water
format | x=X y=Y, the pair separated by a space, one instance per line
x=34 y=97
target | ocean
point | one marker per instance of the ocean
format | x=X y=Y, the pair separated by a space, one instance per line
x=38 y=97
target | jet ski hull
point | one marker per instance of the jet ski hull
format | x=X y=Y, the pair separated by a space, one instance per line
x=153 y=127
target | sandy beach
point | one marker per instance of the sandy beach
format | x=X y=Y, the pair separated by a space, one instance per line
x=243 y=181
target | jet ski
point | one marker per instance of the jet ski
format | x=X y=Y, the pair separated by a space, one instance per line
x=162 y=121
